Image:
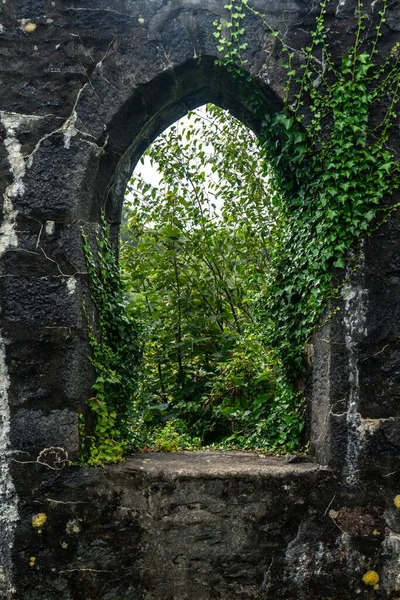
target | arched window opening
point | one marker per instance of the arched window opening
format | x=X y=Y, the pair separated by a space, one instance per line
x=197 y=225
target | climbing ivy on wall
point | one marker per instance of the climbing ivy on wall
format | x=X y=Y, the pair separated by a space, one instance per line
x=328 y=160
x=331 y=167
x=116 y=355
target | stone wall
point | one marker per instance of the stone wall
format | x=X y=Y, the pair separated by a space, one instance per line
x=85 y=87
x=206 y=526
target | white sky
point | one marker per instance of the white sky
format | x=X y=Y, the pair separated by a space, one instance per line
x=148 y=171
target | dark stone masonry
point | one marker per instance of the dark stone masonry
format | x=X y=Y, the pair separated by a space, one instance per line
x=85 y=87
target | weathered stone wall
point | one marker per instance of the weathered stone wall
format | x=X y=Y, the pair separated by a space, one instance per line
x=85 y=87
x=204 y=527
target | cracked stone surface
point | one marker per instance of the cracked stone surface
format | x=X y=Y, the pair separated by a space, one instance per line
x=84 y=88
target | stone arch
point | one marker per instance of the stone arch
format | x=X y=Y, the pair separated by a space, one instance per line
x=118 y=77
x=114 y=78
x=126 y=73
x=76 y=77
x=166 y=99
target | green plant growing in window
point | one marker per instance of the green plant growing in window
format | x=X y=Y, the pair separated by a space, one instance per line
x=329 y=165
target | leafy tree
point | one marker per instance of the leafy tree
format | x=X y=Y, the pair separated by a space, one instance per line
x=195 y=258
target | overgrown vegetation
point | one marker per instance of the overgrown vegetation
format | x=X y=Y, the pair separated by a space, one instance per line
x=331 y=170
x=117 y=352
x=195 y=259
x=231 y=308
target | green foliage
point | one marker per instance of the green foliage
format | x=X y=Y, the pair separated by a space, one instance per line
x=195 y=257
x=116 y=347
x=229 y=34
x=227 y=310
x=173 y=436
x=330 y=167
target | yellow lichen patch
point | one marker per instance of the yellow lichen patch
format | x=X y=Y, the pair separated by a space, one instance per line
x=370 y=578
x=32 y=561
x=376 y=532
x=396 y=501
x=72 y=527
x=38 y=521
x=30 y=27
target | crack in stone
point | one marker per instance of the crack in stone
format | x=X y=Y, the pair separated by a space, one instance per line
x=66 y=502
x=104 y=10
x=68 y=128
x=68 y=123
x=340 y=6
x=60 y=459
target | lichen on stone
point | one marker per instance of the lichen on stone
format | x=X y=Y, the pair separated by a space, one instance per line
x=72 y=527
x=371 y=578
x=38 y=521
x=30 y=27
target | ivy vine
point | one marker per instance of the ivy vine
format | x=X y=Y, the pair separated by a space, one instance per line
x=116 y=356
x=330 y=166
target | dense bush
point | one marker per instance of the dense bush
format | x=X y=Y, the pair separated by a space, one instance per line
x=195 y=257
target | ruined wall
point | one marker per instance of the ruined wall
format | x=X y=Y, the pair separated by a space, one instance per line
x=85 y=87
x=207 y=526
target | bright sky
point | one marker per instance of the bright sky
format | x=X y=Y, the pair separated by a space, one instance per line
x=148 y=171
